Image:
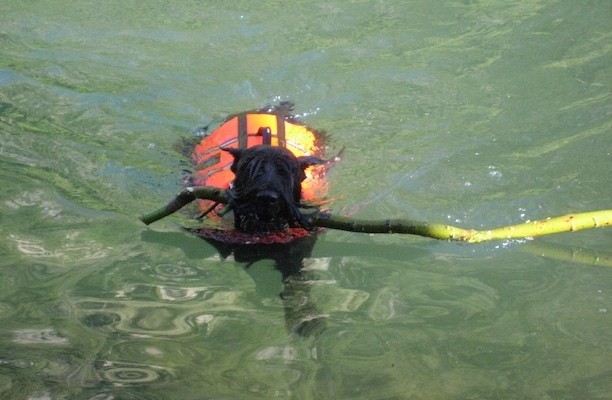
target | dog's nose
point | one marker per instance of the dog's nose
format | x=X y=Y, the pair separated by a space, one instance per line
x=267 y=197
x=268 y=205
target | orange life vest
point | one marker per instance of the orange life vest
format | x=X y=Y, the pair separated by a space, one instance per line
x=252 y=129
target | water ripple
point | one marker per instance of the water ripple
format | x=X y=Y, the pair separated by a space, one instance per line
x=122 y=373
x=175 y=272
x=457 y=297
x=39 y=336
x=154 y=318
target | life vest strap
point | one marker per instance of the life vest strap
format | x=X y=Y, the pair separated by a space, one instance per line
x=280 y=131
x=242 y=131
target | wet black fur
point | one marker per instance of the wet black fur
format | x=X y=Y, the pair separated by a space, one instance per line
x=267 y=190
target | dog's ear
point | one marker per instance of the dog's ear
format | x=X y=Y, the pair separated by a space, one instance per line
x=307 y=161
x=237 y=153
x=233 y=151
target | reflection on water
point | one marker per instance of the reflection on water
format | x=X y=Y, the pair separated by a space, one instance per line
x=479 y=113
x=39 y=336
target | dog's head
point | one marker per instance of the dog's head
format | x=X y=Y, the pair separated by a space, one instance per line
x=267 y=189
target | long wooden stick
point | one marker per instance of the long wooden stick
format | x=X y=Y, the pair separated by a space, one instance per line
x=184 y=197
x=565 y=223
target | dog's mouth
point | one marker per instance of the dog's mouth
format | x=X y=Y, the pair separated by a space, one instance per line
x=265 y=213
x=253 y=223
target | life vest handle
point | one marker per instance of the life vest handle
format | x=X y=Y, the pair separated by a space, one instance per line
x=266 y=135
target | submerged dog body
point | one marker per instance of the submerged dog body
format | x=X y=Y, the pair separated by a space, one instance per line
x=267 y=190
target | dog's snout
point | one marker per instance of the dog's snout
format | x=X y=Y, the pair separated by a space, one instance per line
x=268 y=206
x=268 y=197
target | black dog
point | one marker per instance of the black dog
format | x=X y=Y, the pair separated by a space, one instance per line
x=267 y=190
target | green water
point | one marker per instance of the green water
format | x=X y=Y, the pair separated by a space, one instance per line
x=476 y=113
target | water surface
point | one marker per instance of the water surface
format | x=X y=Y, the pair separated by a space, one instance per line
x=475 y=113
